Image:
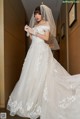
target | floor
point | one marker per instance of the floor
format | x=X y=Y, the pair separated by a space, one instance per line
x=10 y=117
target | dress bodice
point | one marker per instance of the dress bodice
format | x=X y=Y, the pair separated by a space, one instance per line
x=40 y=29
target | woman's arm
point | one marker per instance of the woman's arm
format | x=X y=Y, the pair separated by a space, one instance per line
x=30 y=36
x=43 y=36
x=26 y=28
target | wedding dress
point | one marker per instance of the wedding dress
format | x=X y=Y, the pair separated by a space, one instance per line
x=45 y=88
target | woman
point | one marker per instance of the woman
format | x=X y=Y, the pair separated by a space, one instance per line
x=45 y=88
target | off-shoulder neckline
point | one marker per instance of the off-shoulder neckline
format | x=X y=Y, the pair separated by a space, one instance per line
x=40 y=25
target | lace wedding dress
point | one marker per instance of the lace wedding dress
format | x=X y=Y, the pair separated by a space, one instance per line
x=45 y=88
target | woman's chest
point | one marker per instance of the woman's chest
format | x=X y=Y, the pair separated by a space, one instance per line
x=39 y=29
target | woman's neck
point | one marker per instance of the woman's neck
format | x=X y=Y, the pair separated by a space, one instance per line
x=40 y=22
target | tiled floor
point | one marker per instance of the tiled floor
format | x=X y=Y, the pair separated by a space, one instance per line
x=11 y=117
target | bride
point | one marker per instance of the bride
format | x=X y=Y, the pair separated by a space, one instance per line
x=45 y=88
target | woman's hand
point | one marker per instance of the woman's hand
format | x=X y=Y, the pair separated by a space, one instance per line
x=30 y=30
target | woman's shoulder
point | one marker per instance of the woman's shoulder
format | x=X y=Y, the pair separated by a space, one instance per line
x=45 y=26
x=46 y=23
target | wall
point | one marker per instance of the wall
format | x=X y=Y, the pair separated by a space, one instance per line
x=74 y=44
x=14 y=44
x=70 y=44
x=2 y=94
x=63 y=47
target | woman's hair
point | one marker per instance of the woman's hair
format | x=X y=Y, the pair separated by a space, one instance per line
x=37 y=10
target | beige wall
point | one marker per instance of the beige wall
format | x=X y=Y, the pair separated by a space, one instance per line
x=70 y=45
x=63 y=48
x=14 y=43
x=74 y=44
x=2 y=94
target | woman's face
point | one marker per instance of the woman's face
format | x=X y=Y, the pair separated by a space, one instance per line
x=38 y=17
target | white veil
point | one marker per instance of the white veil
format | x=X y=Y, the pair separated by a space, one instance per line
x=47 y=15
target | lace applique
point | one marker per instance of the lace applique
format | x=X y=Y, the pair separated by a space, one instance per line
x=35 y=113
x=29 y=105
x=40 y=58
x=67 y=101
x=45 y=93
x=38 y=62
x=15 y=106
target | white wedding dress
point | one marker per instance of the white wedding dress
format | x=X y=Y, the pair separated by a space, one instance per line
x=45 y=88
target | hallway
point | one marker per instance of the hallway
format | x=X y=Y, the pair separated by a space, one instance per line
x=14 y=44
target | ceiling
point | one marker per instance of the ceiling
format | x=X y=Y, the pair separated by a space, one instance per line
x=30 y=5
